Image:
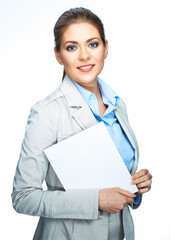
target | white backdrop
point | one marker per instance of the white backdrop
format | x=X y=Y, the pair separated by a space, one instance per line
x=138 y=68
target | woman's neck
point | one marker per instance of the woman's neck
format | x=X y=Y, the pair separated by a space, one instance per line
x=94 y=88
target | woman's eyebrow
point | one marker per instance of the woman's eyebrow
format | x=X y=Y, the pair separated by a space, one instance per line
x=91 y=39
x=75 y=42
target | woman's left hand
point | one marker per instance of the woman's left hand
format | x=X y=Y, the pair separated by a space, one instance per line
x=143 y=180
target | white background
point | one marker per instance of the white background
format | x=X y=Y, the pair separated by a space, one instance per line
x=138 y=68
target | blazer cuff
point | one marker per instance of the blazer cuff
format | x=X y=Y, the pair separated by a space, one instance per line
x=137 y=202
x=75 y=204
x=137 y=199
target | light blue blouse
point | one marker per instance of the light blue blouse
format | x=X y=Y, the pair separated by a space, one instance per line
x=110 y=98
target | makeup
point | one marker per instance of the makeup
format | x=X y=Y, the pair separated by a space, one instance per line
x=86 y=68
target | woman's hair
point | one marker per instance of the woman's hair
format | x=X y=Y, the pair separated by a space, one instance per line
x=76 y=15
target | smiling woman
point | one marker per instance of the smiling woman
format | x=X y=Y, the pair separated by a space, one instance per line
x=82 y=55
x=81 y=101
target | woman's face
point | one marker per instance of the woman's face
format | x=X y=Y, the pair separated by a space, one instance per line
x=82 y=53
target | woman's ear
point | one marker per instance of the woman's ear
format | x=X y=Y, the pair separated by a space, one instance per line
x=106 y=48
x=58 y=57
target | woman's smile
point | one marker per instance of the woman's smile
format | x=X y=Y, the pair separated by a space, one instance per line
x=86 y=68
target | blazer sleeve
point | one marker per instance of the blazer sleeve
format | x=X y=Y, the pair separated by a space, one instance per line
x=28 y=196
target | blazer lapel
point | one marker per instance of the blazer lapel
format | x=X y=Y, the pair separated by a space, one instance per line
x=125 y=128
x=130 y=134
x=78 y=108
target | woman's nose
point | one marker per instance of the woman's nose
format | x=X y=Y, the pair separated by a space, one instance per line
x=84 y=54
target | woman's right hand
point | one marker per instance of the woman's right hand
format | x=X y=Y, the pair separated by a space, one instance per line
x=113 y=200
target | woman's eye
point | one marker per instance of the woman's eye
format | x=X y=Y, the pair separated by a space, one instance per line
x=71 y=48
x=93 y=45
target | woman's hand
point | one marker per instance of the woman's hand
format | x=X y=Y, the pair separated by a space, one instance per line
x=113 y=200
x=143 y=181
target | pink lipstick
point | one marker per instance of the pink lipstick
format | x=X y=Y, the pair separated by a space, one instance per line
x=86 y=68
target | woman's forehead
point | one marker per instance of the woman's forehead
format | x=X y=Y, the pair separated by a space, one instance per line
x=79 y=32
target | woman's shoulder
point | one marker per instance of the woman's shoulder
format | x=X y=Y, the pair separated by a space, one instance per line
x=46 y=109
x=49 y=100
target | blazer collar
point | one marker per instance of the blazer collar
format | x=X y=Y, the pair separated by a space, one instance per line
x=79 y=109
x=71 y=93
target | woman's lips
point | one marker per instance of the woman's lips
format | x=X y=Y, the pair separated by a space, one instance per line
x=86 y=68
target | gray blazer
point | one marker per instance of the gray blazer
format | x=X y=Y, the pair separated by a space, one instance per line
x=71 y=214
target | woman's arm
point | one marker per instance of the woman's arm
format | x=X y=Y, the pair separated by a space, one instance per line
x=28 y=196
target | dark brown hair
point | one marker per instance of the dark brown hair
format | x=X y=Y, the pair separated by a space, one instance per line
x=76 y=15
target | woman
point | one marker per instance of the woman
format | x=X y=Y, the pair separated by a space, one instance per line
x=81 y=101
